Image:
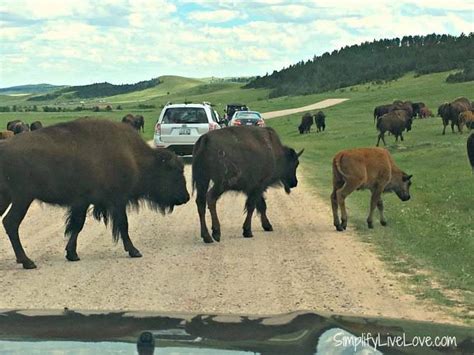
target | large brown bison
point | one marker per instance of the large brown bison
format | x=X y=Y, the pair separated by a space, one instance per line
x=366 y=168
x=394 y=122
x=450 y=112
x=381 y=110
x=320 y=121
x=245 y=159
x=6 y=134
x=306 y=123
x=18 y=126
x=425 y=112
x=137 y=122
x=82 y=163
x=470 y=150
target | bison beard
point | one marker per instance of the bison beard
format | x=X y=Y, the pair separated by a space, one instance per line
x=82 y=163
x=245 y=159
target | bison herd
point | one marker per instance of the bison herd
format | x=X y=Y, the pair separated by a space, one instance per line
x=307 y=121
x=17 y=127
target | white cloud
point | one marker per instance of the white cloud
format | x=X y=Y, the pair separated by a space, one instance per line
x=217 y=16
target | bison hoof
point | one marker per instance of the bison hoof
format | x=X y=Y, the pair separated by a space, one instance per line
x=247 y=233
x=72 y=256
x=339 y=228
x=383 y=223
x=216 y=235
x=207 y=238
x=267 y=227
x=134 y=253
x=28 y=264
x=370 y=225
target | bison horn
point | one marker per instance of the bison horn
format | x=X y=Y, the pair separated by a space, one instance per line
x=301 y=152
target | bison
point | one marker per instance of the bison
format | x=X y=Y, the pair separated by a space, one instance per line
x=320 y=120
x=6 y=134
x=417 y=109
x=18 y=126
x=36 y=125
x=306 y=123
x=245 y=159
x=82 y=163
x=466 y=118
x=425 y=112
x=470 y=150
x=449 y=112
x=394 y=122
x=381 y=110
x=137 y=122
x=366 y=168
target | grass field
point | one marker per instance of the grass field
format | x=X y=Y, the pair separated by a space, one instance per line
x=430 y=238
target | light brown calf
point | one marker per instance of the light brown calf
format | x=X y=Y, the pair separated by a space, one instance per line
x=6 y=134
x=466 y=118
x=366 y=168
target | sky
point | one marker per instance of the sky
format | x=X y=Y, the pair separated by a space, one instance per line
x=77 y=42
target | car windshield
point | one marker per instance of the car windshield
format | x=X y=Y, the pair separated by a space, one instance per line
x=248 y=115
x=185 y=115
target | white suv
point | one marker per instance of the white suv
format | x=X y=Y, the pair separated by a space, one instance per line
x=180 y=126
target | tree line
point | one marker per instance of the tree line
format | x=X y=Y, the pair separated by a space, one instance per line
x=97 y=90
x=379 y=60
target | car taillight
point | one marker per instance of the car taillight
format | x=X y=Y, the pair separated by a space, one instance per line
x=261 y=123
x=237 y=123
x=213 y=126
x=158 y=129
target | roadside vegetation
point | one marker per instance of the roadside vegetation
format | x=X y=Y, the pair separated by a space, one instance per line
x=429 y=239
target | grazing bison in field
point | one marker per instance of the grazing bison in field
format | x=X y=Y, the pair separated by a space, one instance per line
x=381 y=110
x=137 y=122
x=82 y=163
x=6 y=134
x=394 y=122
x=466 y=118
x=366 y=168
x=320 y=120
x=36 y=125
x=470 y=150
x=417 y=109
x=425 y=112
x=306 y=123
x=450 y=112
x=18 y=126
x=245 y=159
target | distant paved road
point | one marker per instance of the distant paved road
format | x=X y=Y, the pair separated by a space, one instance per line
x=315 y=106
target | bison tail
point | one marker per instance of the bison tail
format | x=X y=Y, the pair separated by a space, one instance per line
x=199 y=175
x=336 y=167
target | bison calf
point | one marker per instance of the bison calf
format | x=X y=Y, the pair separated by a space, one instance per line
x=245 y=159
x=366 y=168
x=82 y=163
x=6 y=134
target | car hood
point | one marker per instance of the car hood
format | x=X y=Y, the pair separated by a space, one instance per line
x=84 y=332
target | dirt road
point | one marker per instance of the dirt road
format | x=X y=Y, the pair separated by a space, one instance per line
x=315 y=106
x=303 y=265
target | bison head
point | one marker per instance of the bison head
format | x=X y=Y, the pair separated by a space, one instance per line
x=291 y=162
x=402 y=186
x=166 y=182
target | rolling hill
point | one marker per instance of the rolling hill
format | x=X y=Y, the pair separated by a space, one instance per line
x=30 y=89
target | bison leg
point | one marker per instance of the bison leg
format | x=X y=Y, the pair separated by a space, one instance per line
x=444 y=127
x=75 y=222
x=5 y=201
x=381 y=136
x=452 y=127
x=249 y=207
x=374 y=200
x=212 y=196
x=335 y=215
x=120 y=227
x=401 y=136
x=341 y=194
x=262 y=210
x=201 y=188
x=12 y=222
x=383 y=221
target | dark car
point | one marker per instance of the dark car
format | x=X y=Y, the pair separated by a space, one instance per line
x=247 y=118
